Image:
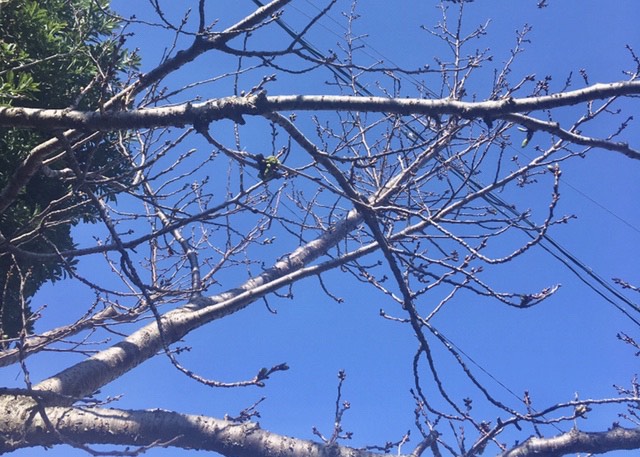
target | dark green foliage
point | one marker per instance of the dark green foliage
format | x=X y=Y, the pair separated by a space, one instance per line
x=53 y=54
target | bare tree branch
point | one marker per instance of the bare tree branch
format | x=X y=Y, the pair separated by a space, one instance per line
x=575 y=441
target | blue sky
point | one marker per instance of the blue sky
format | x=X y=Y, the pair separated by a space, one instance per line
x=565 y=345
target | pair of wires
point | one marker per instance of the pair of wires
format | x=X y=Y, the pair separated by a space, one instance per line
x=582 y=271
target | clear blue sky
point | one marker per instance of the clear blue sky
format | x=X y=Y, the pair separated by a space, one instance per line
x=565 y=345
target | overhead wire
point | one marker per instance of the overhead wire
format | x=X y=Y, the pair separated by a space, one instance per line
x=582 y=271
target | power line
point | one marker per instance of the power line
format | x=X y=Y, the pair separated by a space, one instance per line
x=582 y=271
x=571 y=262
x=603 y=208
x=575 y=265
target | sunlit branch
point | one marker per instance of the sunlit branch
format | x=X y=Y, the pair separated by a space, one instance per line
x=152 y=427
x=260 y=104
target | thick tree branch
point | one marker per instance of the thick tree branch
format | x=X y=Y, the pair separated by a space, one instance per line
x=575 y=441
x=89 y=375
x=153 y=428
x=236 y=107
